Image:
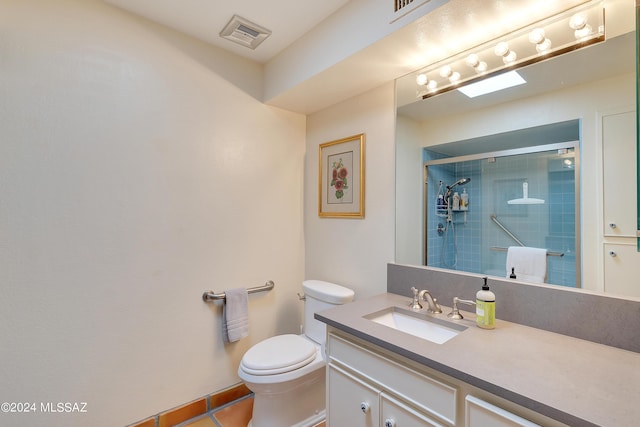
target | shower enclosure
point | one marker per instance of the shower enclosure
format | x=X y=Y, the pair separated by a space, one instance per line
x=519 y=197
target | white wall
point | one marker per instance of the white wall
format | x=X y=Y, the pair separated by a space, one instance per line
x=354 y=252
x=137 y=170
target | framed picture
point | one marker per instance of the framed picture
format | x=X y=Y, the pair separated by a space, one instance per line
x=341 y=178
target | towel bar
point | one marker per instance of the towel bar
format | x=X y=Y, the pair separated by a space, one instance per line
x=494 y=248
x=212 y=296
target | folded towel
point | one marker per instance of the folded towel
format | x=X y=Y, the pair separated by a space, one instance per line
x=529 y=264
x=235 y=315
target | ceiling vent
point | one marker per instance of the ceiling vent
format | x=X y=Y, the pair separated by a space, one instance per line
x=244 y=32
x=401 y=4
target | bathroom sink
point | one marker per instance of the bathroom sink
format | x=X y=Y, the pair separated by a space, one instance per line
x=417 y=324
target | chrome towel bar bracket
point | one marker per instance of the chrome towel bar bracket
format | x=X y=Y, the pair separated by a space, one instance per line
x=212 y=296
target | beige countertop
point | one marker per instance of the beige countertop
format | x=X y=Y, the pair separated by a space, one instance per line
x=571 y=380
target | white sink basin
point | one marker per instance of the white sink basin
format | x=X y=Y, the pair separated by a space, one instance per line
x=417 y=324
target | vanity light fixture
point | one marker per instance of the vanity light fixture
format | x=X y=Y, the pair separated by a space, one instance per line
x=570 y=30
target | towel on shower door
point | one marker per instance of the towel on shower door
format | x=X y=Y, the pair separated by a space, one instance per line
x=235 y=315
x=529 y=264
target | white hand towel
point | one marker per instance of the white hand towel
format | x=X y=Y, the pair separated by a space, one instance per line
x=529 y=264
x=235 y=315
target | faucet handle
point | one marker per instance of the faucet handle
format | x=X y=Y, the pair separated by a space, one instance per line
x=455 y=313
x=415 y=304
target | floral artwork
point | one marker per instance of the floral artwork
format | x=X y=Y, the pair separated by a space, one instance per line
x=341 y=178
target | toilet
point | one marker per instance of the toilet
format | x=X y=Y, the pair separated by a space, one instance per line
x=286 y=373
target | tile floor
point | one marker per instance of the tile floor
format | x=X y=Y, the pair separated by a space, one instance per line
x=235 y=414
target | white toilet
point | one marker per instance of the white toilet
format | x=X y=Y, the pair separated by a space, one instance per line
x=286 y=373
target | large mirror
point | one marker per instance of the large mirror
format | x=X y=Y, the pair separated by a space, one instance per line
x=578 y=110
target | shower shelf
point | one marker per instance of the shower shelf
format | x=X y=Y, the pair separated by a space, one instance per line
x=444 y=212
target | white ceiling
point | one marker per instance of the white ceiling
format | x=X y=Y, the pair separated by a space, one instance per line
x=396 y=55
x=204 y=19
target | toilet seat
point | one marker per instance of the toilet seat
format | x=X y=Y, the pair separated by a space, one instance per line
x=279 y=354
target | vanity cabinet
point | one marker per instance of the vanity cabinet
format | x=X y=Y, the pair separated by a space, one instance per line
x=368 y=386
x=367 y=389
x=357 y=403
x=621 y=257
x=619 y=174
x=622 y=268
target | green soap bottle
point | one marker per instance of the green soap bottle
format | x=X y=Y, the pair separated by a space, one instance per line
x=486 y=307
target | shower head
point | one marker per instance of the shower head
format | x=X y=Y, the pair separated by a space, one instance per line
x=450 y=187
x=460 y=182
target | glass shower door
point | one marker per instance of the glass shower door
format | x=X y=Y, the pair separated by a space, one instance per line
x=524 y=197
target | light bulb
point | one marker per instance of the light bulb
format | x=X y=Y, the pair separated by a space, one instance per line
x=432 y=85
x=501 y=49
x=446 y=71
x=582 y=32
x=421 y=79
x=454 y=77
x=510 y=57
x=482 y=67
x=472 y=60
x=578 y=21
x=537 y=36
x=544 y=46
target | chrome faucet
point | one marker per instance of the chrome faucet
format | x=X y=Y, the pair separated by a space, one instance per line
x=431 y=301
x=424 y=295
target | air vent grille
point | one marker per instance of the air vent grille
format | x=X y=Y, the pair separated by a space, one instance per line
x=400 y=4
x=244 y=32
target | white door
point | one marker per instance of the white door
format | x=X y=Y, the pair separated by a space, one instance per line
x=622 y=269
x=619 y=174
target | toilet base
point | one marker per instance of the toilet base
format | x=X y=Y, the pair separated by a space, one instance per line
x=301 y=404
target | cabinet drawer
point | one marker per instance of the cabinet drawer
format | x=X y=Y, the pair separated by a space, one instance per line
x=481 y=414
x=397 y=414
x=435 y=397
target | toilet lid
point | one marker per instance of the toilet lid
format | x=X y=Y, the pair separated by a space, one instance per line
x=275 y=355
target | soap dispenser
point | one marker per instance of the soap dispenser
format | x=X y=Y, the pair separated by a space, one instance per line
x=485 y=307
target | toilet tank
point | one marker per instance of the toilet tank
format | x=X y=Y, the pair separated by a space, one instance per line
x=320 y=295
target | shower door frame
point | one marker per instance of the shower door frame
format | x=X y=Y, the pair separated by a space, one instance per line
x=575 y=145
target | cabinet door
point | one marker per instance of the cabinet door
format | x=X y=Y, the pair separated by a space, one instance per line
x=350 y=402
x=619 y=174
x=397 y=414
x=621 y=269
x=483 y=414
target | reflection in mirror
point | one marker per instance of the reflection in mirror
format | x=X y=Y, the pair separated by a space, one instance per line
x=447 y=138
x=514 y=197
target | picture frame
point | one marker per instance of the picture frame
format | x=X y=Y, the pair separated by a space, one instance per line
x=341 y=166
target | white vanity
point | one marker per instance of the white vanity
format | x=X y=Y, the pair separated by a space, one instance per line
x=511 y=376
